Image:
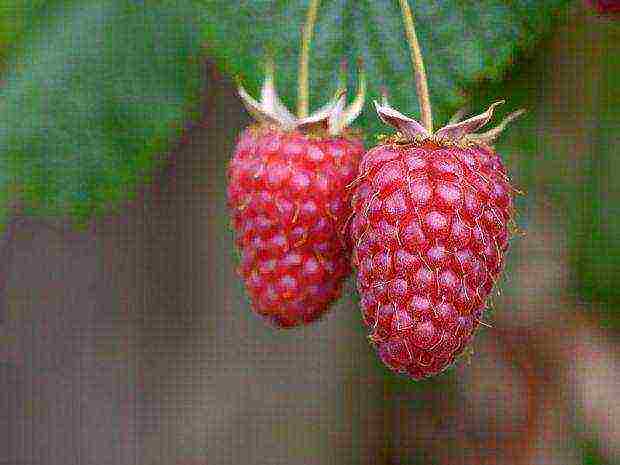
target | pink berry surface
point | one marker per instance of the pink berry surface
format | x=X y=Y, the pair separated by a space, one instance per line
x=430 y=231
x=288 y=195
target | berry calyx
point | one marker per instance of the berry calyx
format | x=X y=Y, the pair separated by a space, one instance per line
x=455 y=133
x=332 y=119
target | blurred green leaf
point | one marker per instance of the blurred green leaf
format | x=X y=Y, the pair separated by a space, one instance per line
x=590 y=453
x=577 y=173
x=96 y=89
x=96 y=93
x=597 y=240
x=14 y=16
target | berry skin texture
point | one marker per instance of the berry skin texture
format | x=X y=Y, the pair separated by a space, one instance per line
x=430 y=230
x=289 y=202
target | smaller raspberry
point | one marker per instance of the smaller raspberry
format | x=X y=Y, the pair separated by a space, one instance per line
x=289 y=202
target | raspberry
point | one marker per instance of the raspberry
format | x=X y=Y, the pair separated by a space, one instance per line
x=605 y=7
x=288 y=195
x=289 y=201
x=430 y=232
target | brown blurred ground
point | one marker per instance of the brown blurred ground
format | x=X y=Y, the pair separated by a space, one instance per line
x=132 y=343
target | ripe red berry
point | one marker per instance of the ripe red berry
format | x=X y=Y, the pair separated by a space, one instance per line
x=430 y=231
x=289 y=202
x=605 y=6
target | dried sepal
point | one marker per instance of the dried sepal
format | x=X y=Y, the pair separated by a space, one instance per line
x=457 y=131
x=355 y=109
x=320 y=118
x=334 y=116
x=271 y=101
x=323 y=114
x=408 y=127
x=489 y=137
x=257 y=110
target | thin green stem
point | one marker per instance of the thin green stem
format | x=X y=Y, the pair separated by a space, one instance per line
x=421 y=83
x=303 y=104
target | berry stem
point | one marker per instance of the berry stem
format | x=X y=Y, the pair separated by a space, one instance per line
x=304 y=60
x=421 y=82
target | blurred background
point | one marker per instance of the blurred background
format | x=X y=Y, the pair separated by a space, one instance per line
x=131 y=341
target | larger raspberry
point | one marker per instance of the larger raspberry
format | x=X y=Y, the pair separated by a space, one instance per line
x=287 y=190
x=430 y=232
x=288 y=195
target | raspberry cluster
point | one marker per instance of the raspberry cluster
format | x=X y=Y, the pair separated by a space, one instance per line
x=425 y=215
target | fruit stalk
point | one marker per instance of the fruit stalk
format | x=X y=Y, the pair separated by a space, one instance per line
x=421 y=82
x=304 y=60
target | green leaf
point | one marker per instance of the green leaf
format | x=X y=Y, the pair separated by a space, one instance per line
x=14 y=16
x=597 y=229
x=463 y=43
x=94 y=91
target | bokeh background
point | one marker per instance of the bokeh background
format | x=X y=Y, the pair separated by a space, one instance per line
x=131 y=342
